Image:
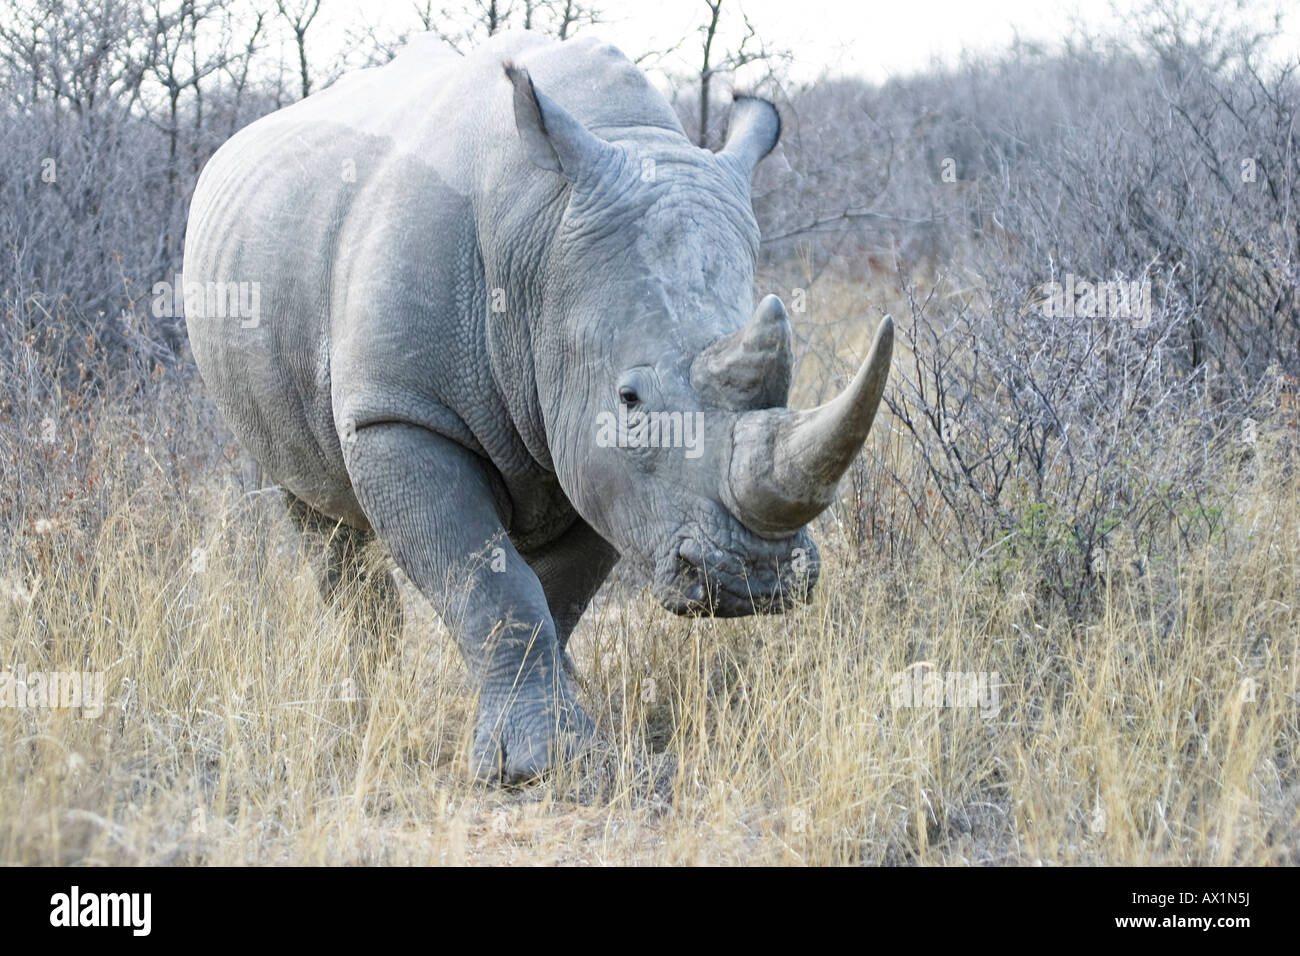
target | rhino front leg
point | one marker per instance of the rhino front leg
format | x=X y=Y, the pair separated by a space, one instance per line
x=443 y=516
x=572 y=569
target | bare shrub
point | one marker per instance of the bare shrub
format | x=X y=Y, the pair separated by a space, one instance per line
x=1153 y=183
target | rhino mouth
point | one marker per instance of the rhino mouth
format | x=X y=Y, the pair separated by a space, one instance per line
x=699 y=578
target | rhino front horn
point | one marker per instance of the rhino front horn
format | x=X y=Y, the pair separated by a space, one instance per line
x=785 y=465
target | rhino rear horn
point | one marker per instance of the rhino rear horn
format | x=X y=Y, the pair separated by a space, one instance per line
x=551 y=137
x=751 y=367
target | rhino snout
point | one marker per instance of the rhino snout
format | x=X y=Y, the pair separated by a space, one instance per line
x=702 y=578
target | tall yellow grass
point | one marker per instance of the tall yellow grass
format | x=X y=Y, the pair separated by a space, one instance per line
x=240 y=727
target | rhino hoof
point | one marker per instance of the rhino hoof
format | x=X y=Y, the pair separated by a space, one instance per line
x=525 y=739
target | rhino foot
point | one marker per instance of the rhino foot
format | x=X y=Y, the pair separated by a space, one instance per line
x=524 y=737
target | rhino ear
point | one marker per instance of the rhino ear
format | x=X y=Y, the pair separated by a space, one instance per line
x=552 y=139
x=753 y=129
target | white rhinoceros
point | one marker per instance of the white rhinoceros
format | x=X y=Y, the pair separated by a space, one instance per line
x=507 y=328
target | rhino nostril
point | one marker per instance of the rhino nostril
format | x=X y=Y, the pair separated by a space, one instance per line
x=690 y=551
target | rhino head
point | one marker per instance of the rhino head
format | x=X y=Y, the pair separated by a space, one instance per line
x=663 y=389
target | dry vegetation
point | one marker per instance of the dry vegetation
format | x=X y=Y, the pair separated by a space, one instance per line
x=229 y=737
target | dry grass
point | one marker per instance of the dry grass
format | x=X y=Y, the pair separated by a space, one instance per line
x=227 y=737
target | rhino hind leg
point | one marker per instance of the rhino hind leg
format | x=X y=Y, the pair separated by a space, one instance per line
x=352 y=582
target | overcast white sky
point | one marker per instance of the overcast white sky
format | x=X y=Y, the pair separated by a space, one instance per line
x=872 y=38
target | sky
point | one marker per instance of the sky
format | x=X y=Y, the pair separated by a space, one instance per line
x=875 y=39
x=868 y=38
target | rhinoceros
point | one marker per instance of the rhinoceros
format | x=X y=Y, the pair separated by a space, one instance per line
x=505 y=322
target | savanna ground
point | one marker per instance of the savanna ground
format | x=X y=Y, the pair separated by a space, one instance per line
x=243 y=725
x=1099 y=513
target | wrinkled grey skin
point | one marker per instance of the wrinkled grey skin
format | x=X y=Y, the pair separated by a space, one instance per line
x=459 y=266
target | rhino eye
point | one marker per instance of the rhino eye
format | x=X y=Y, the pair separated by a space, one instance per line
x=627 y=395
